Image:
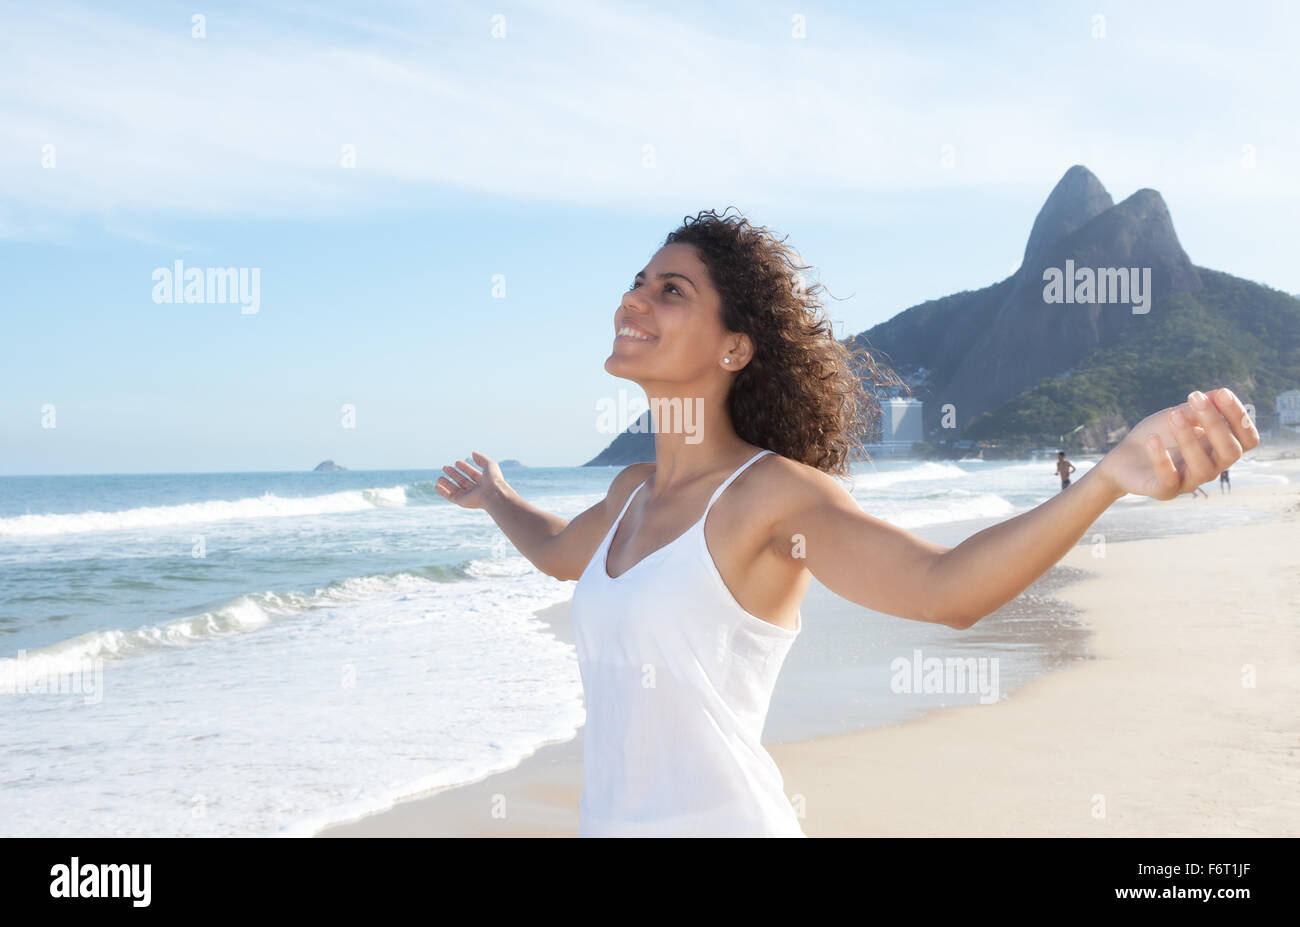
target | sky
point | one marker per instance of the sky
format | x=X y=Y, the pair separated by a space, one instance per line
x=442 y=204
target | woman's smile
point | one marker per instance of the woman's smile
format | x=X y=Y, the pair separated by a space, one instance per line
x=630 y=331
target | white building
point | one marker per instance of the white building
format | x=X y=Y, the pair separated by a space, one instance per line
x=1287 y=411
x=1287 y=407
x=900 y=426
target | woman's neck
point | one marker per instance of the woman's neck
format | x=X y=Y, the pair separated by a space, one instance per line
x=693 y=436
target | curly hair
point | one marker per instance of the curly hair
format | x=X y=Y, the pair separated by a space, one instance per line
x=802 y=393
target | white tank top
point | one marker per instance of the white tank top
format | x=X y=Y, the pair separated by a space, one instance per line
x=678 y=679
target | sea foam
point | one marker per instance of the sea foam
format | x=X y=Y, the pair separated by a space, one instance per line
x=264 y=506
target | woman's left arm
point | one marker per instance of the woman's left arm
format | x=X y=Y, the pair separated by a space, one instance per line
x=993 y=566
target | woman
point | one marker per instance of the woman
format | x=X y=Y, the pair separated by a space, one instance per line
x=688 y=595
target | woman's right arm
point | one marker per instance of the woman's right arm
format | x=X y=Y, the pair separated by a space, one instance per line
x=557 y=547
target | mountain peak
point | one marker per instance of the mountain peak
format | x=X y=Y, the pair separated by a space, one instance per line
x=1137 y=232
x=1077 y=198
x=1146 y=203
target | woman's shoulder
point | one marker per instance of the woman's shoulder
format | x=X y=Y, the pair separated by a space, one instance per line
x=782 y=483
x=783 y=496
x=625 y=481
x=633 y=474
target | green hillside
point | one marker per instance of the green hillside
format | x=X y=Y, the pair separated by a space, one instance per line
x=1232 y=332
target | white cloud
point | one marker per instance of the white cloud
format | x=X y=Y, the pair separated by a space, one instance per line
x=252 y=119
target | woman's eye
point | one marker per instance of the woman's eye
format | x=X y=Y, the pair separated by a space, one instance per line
x=667 y=287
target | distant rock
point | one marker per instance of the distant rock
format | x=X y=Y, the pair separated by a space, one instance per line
x=636 y=445
x=329 y=465
x=510 y=463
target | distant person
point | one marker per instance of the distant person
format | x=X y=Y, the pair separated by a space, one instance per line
x=1064 y=468
x=1224 y=481
x=1201 y=491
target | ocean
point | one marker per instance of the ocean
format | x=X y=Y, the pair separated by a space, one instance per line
x=244 y=654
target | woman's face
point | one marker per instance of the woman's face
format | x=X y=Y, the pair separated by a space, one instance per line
x=675 y=316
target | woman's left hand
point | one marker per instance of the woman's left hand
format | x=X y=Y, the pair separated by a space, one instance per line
x=1213 y=433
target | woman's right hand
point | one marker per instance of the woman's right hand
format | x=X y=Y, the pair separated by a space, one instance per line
x=468 y=487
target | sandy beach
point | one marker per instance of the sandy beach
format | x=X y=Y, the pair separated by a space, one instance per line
x=1184 y=722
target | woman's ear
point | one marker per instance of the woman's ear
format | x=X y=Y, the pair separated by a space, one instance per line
x=740 y=349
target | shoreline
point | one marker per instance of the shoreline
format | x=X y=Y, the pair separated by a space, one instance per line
x=1161 y=685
